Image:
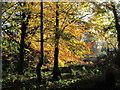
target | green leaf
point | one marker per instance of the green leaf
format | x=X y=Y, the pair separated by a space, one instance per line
x=27 y=49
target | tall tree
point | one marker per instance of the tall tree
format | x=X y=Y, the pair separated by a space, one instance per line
x=0 y=45
x=40 y=63
x=22 y=40
x=56 y=72
x=12 y=24
x=116 y=24
x=69 y=30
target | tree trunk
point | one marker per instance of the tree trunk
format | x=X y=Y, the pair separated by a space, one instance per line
x=22 y=42
x=56 y=72
x=38 y=68
x=0 y=31
x=117 y=25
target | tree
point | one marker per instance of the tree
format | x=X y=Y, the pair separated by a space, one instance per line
x=24 y=24
x=103 y=26
x=70 y=27
x=56 y=71
x=116 y=24
x=70 y=48
x=40 y=63
x=15 y=26
x=0 y=44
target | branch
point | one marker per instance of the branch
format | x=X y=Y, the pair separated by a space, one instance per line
x=11 y=37
x=6 y=19
x=66 y=15
x=74 y=21
x=8 y=8
x=9 y=31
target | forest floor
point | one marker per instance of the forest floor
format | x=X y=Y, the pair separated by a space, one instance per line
x=73 y=77
x=92 y=83
x=74 y=81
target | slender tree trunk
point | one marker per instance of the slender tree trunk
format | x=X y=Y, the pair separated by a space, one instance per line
x=22 y=42
x=117 y=61
x=38 y=68
x=1 y=44
x=56 y=72
x=117 y=25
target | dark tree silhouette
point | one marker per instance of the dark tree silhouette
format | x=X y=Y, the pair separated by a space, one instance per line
x=22 y=40
x=40 y=63
x=116 y=24
x=56 y=72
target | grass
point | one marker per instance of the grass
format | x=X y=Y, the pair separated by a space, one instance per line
x=28 y=81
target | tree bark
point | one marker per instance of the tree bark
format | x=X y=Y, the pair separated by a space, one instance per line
x=38 y=68
x=22 y=42
x=56 y=72
x=117 y=25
